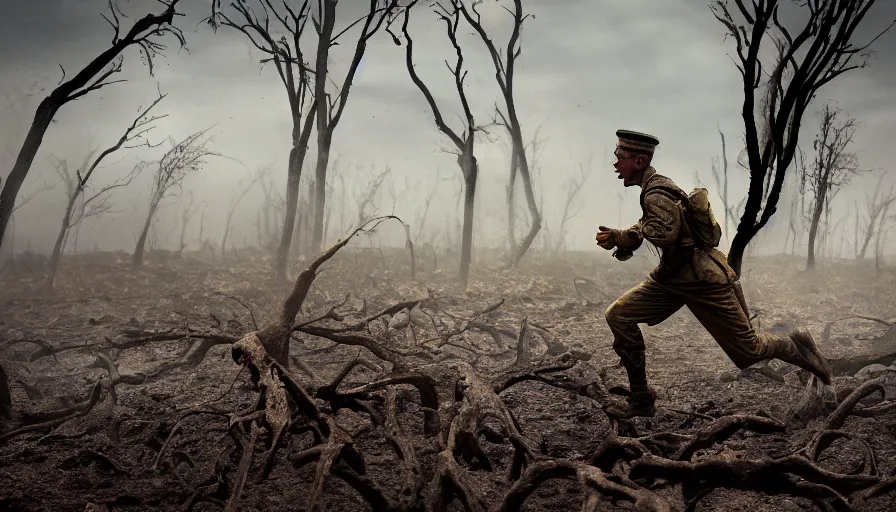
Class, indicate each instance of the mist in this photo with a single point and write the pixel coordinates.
(663, 70)
(439, 356)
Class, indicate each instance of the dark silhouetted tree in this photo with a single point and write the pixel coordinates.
(773, 109)
(145, 34)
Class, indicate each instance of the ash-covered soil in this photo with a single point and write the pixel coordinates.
(104, 369)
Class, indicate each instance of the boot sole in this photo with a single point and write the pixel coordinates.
(806, 344)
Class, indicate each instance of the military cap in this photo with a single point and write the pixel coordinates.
(636, 141)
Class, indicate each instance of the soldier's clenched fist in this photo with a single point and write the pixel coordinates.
(604, 238)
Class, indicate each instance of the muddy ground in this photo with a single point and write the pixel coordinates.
(103, 331)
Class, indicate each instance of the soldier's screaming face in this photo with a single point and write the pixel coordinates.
(629, 166)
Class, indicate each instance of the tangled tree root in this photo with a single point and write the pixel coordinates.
(457, 420)
(595, 482)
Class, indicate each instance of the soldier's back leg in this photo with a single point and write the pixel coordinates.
(718, 309)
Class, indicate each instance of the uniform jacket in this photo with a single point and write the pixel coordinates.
(662, 224)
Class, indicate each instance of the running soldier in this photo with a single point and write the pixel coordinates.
(692, 273)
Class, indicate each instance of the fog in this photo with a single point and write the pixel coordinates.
(586, 70)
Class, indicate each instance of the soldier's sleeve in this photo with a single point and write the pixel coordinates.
(628, 239)
(661, 224)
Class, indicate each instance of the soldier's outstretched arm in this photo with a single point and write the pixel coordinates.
(661, 224)
(628, 239)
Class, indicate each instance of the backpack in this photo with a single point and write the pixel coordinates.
(701, 223)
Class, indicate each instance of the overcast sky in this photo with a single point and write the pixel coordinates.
(588, 68)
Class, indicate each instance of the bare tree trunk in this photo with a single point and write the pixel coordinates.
(511, 197)
(185, 217)
(137, 260)
(183, 233)
(813, 231)
(226, 233)
(301, 134)
(320, 191)
(725, 186)
(57, 247)
(470, 172)
(879, 239)
(409, 244)
(201, 226)
(296, 157)
(42, 119)
(874, 216)
(529, 193)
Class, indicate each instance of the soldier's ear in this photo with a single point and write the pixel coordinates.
(641, 160)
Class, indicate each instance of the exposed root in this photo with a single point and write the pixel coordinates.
(827, 437)
(478, 405)
(60, 416)
(5, 396)
(248, 447)
(861, 317)
(723, 428)
(837, 418)
(425, 385)
(810, 405)
(169, 335)
(771, 476)
(852, 364)
(523, 350)
(176, 427)
(412, 482)
(594, 481)
(549, 371)
(359, 340)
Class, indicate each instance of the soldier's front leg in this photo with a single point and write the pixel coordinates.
(647, 303)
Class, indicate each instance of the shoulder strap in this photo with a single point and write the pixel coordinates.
(665, 190)
(672, 193)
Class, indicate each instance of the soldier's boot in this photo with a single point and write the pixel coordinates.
(640, 402)
(641, 398)
(799, 349)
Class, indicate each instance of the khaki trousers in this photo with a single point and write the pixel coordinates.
(715, 305)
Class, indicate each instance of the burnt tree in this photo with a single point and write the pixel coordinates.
(832, 169)
(504, 74)
(177, 163)
(296, 75)
(463, 141)
(145, 34)
(189, 210)
(820, 52)
(720, 174)
(79, 205)
(260, 174)
(572, 204)
(330, 107)
(875, 205)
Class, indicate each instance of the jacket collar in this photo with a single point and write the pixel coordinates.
(649, 173)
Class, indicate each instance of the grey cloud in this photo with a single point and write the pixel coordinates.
(587, 68)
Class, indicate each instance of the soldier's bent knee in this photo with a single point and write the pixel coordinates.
(612, 314)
